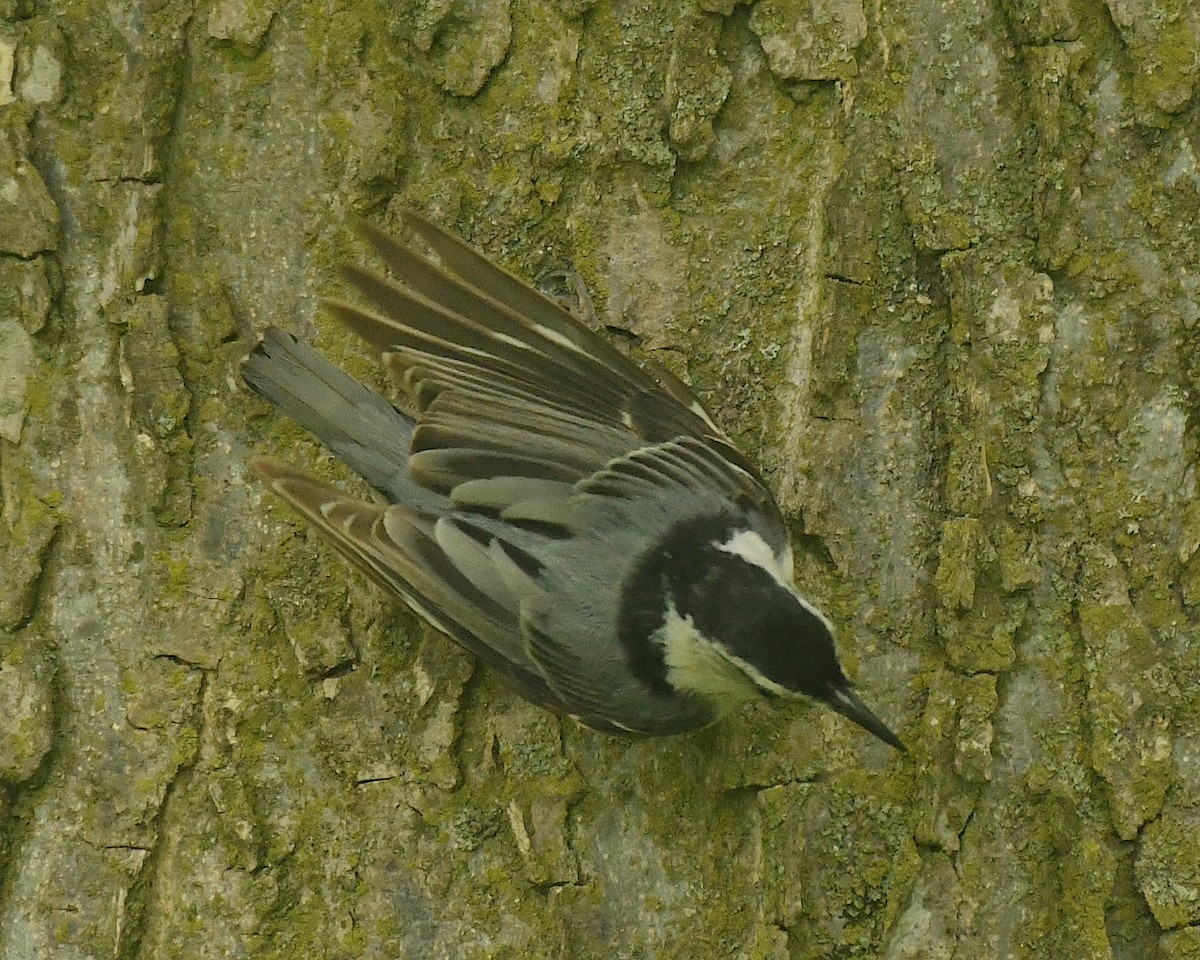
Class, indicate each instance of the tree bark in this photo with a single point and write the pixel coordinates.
(935, 266)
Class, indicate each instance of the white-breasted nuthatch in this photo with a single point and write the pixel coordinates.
(578, 522)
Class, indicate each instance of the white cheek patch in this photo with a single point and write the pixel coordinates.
(751, 547)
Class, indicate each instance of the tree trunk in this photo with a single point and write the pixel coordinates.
(935, 266)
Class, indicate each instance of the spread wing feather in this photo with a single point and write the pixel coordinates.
(430, 563)
(504, 384)
(471, 278)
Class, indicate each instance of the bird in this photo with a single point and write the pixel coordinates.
(574, 519)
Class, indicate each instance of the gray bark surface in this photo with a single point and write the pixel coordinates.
(935, 266)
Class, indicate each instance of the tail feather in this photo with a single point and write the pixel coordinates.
(358, 426)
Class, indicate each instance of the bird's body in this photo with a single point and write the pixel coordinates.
(578, 522)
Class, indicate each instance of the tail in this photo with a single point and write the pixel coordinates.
(358, 426)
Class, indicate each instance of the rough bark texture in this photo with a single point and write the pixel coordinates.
(935, 265)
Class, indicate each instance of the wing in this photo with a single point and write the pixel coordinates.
(462, 579)
(514, 400)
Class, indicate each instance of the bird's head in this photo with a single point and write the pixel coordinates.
(736, 625)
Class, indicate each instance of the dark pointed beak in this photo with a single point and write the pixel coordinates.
(846, 702)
